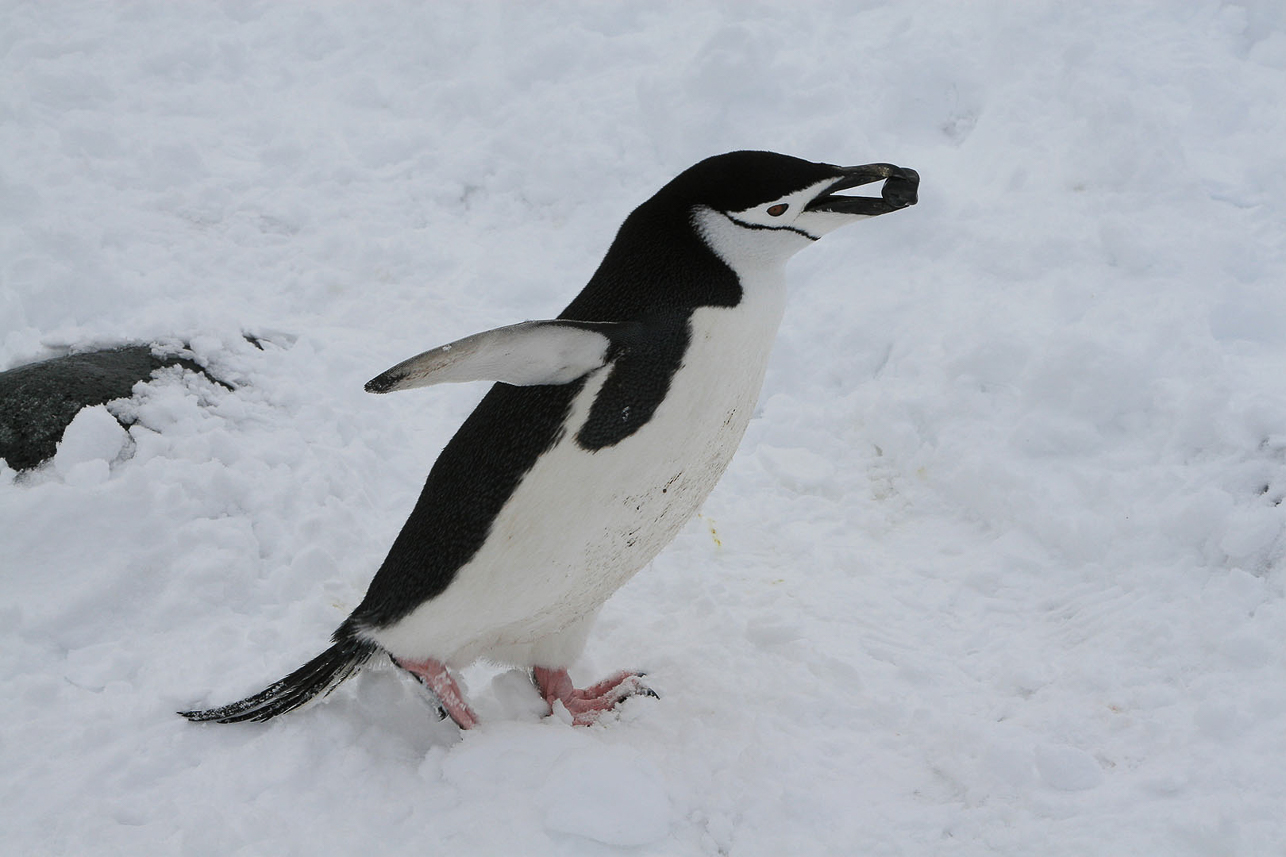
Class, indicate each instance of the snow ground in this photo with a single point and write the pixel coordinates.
(999, 568)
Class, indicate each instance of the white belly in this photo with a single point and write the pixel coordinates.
(581, 523)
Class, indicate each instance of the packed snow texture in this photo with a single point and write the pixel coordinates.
(999, 568)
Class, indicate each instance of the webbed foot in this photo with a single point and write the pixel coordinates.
(586, 704)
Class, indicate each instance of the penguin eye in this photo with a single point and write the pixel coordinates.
(778, 210)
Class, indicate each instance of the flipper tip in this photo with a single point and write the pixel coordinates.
(384, 383)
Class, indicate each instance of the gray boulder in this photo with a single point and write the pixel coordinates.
(38, 400)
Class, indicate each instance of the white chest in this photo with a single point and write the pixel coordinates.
(581, 523)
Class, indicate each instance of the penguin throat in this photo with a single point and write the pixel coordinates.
(748, 248)
(747, 225)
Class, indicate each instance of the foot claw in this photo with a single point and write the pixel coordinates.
(438, 679)
(586, 704)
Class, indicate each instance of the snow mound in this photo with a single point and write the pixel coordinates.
(90, 443)
(609, 794)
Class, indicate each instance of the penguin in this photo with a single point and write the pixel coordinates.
(603, 433)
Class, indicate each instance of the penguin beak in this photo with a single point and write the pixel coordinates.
(900, 187)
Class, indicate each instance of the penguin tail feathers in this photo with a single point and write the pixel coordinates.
(318, 677)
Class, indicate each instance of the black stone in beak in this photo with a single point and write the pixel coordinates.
(900, 190)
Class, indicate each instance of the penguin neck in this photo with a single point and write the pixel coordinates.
(657, 262)
(752, 253)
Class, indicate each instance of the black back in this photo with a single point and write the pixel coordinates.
(655, 274)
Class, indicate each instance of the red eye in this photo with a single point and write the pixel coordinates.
(778, 210)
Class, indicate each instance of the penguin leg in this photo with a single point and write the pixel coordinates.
(439, 680)
(586, 704)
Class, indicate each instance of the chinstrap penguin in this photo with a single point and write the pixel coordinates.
(607, 429)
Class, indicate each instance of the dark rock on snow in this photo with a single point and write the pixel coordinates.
(38, 400)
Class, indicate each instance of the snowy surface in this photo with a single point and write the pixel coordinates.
(999, 568)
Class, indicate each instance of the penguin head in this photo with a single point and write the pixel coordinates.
(751, 210)
(765, 207)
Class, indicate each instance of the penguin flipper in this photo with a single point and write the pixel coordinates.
(527, 354)
(317, 677)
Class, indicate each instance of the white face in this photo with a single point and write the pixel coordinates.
(789, 212)
(771, 232)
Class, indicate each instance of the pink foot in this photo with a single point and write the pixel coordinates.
(586, 704)
(439, 680)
